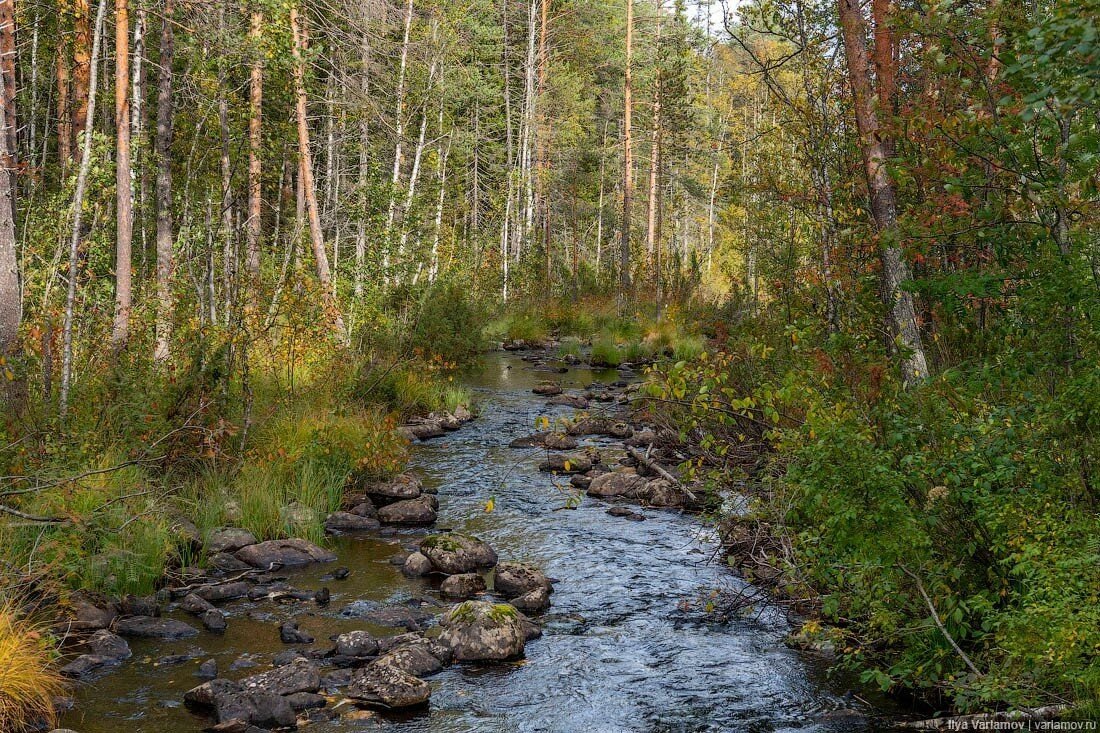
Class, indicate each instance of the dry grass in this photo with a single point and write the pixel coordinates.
(28, 682)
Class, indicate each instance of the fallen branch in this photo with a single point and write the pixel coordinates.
(651, 465)
(980, 720)
(939, 623)
(31, 517)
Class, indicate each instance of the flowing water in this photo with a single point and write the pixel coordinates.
(625, 647)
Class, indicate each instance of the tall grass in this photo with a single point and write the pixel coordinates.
(28, 682)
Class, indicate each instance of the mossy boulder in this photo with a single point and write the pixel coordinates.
(457, 553)
(477, 631)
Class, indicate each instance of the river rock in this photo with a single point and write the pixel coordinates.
(559, 441)
(260, 708)
(662, 493)
(132, 605)
(356, 645)
(364, 508)
(479, 631)
(229, 539)
(533, 601)
(226, 563)
(462, 586)
(513, 579)
(568, 400)
(419, 511)
(416, 565)
(344, 522)
(300, 701)
(581, 480)
(425, 430)
(283, 553)
(419, 658)
(147, 627)
(90, 614)
(105, 644)
(626, 513)
(223, 591)
(298, 676)
(462, 414)
(214, 621)
(388, 686)
(208, 670)
(87, 666)
(289, 633)
(567, 464)
(204, 695)
(457, 553)
(403, 486)
(535, 440)
(616, 484)
(195, 605)
(547, 389)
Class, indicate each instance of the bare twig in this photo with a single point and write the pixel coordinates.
(939, 623)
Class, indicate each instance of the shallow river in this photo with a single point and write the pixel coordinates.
(624, 647)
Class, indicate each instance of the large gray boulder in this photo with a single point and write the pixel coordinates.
(345, 522)
(283, 553)
(616, 484)
(513, 579)
(229, 539)
(355, 645)
(457, 553)
(418, 658)
(147, 627)
(386, 685)
(298, 676)
(462, 586)
(105, 644)
(479, 631)
(263, 709)
(416, 565)
(418, 511)
(569, 463)
(404, 486)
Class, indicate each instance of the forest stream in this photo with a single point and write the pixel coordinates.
(626, 645)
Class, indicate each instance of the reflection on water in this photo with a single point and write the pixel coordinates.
(623, 649)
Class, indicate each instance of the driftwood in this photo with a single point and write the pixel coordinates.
(981, 721)
(650, 465)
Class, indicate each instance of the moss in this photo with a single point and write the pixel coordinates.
(503, 612)
(442, 542)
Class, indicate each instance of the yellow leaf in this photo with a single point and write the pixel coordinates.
(490, 505)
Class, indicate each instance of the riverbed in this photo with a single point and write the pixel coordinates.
(627, 643)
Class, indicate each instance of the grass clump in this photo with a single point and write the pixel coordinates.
(605, 353)
(28, 681)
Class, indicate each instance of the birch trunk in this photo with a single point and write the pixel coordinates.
(78, 208)
(124, 194)
(163, 145)
(628, 158)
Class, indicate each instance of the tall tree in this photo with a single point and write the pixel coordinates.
(82, 64)
(254, 229)
(11, 302)
(78, 210)
(895, 271)
(163, 150)
(628, 157)
(124, 192)
(308, 187)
